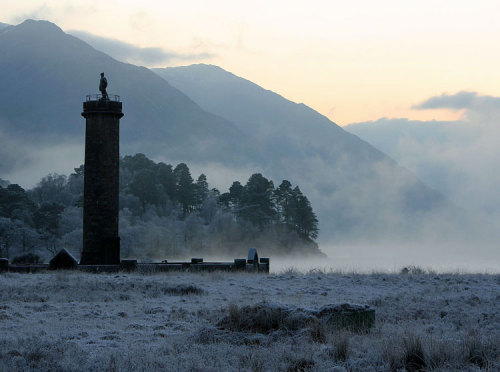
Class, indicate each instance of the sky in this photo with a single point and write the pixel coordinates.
(351, 61)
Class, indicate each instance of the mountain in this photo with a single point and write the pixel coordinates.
(217, 122)
(454, 157)
(355, 187)
(47, 73)
(3, 25)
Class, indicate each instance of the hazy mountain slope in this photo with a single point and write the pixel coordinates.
(264, 114)
(455, 157)
(354, 186)
(3, 25)
(46, 74)
(385, 134)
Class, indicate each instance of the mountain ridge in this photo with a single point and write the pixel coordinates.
(57, 86)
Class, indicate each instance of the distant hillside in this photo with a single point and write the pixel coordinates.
(455, 158)
(46, 74)
(356, 187)
(386, 134)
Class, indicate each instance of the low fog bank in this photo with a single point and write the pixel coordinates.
(442, 243)
(392, 258)
(26, 161)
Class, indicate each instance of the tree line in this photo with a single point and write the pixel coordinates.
(164, 213)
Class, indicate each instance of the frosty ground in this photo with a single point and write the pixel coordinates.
(181, 321)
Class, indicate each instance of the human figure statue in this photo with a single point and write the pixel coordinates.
(103, 84)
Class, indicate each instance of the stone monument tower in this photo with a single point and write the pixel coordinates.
(101, 242)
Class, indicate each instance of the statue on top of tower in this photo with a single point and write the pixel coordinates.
(103, 84)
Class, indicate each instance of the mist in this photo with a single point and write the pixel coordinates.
(457, 158)
(26, 163)
(391, 257)
(123, 51)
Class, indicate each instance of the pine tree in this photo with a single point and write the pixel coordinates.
(304, 219)
(232, 199)
(200, 190)
(184, 188)
(284, 202)
(256, 204)
(137, 162)
(145, 187)
(165, 177)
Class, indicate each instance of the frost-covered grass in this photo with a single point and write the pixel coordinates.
(77, 321)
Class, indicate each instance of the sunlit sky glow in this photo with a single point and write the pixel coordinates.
(352, 61)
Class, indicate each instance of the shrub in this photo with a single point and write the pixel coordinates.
(341, 347)
(441, 354)
(183, 290)
(413, 353)
(301, 365)
(391, 354)
(412, 269)
(474, 349)
(317, 332)
(261, 318)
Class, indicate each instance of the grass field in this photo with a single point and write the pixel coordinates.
(74, 321)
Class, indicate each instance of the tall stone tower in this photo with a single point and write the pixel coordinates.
(101, 242)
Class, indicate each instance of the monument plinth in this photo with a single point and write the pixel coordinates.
(101, 242)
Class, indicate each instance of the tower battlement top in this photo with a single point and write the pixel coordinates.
(95, 103)
(100, 97)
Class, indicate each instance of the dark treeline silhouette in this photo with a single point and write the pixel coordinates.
(164, 214)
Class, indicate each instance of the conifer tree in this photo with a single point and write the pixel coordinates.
(256, 204)
(284, 202)
(304, 219)
(200, 190)
(145, 187)
(184, 188)
(165, 177)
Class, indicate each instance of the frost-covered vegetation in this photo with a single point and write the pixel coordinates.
(179, 321)
(164, 214)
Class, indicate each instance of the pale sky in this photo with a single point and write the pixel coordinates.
(350, 60)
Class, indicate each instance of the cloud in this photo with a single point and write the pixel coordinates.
(152, 56)
(459, 101)
(458, 158)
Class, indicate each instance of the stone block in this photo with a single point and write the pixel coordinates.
(128, 265)
(4, 264)
(240, 263)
